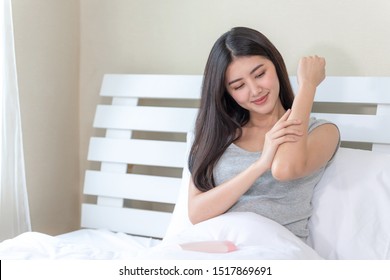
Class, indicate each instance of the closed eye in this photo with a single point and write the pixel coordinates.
(260, 75)
(238, 87)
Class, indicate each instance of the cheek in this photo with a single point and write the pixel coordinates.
(277, 86)
(272, 84)
(272, 81)
(240, 98)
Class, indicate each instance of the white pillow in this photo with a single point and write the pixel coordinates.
(255, 236)
(351, 218)
(180, 220)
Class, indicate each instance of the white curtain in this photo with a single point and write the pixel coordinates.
(14, 210)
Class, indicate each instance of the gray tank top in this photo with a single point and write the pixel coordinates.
(288, 203)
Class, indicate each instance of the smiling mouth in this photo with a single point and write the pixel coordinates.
(261, 100)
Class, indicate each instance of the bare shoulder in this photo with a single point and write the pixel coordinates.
(328, 130)
(323, 140)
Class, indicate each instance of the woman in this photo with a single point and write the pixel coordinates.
(256, 148)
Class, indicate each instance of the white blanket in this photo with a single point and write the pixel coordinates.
(255, 237)
(82, 244)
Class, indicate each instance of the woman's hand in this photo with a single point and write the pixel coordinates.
(311, 71)
(283, 131)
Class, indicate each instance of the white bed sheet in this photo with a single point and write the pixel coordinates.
(85, 244)
(256, 237)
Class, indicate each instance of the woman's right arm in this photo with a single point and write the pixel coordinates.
(206, 205)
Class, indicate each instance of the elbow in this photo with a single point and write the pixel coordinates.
(287, 171)
(199, 214)
(194, 216)
(193, 219)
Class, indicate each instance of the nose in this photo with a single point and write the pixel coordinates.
(255, 88)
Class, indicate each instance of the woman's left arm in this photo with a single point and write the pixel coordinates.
(314, 150)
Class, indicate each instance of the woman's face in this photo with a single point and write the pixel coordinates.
(253, 83)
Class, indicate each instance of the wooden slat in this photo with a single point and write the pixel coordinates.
(133, 221)
(152, 86)
(368, 90)
(145, 118)
(134, 151)
(383, 110)
(132, 186)
(360, 128)
(381, 148)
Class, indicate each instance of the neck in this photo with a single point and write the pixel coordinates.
(266, 121)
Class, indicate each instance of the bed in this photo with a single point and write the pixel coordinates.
(135, 191)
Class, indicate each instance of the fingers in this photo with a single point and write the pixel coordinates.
(287, 138)
(314, 58)
(289, 134)
(285, 129)
(311, 69)
(313, 61)
(285, 122)
(285, 115)
(288, 131)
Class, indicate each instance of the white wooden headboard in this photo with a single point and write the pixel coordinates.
(142, 153)
(369, 126)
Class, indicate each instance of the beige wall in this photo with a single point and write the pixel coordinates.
(60, 75)
(47, 55)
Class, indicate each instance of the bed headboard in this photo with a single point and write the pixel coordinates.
(143, 150)
(360, 106)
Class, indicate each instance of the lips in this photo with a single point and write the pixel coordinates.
(261, 100)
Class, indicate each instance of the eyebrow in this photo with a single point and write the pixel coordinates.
(253, 70)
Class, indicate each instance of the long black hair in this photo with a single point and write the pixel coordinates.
(220, 119)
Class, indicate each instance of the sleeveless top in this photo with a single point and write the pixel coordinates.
(288, 203)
